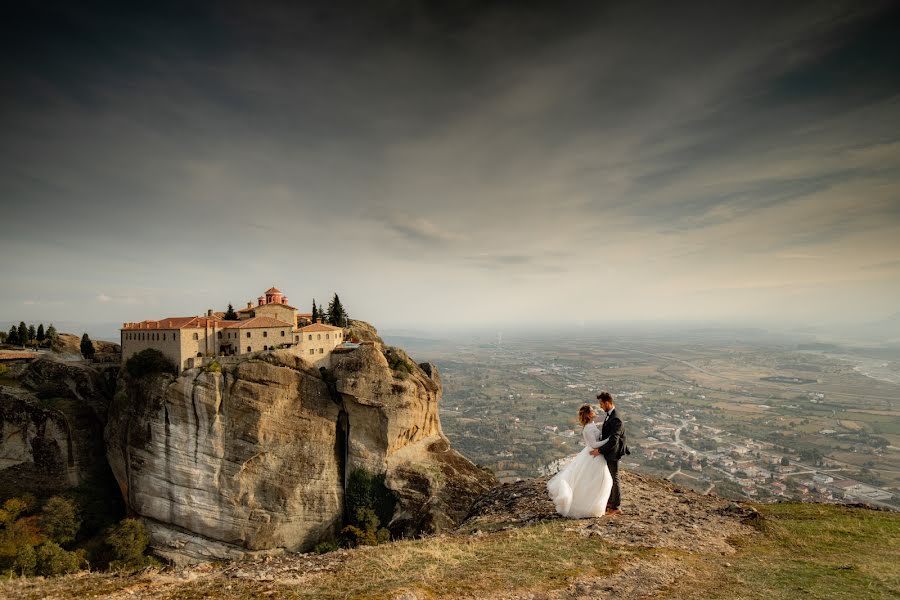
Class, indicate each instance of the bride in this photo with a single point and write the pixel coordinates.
(582, 488)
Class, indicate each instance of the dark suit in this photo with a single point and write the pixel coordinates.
(613, 450)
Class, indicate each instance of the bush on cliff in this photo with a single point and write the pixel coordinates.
(149, 362)
(369, 504)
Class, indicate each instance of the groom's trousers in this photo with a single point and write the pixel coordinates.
(614, 496)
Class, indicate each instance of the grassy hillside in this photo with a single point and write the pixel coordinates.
(671, 544)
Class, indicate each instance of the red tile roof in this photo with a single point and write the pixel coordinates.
(177, 323)
(256, 322)
(273, 290)
(243, 310)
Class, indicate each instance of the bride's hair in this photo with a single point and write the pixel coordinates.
(584, 414)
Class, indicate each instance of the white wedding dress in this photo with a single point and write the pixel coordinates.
(582, 488)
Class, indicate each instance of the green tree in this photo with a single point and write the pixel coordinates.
(87, 347)
(230, 315)
(59, 520)
(785, 461)
(315, 312)
(337, 316)
(52, 335)
(128, 541)
(52, 560)
(32, 333)
(40, 333)
(147, 362)
(23, 333)
(13, 336)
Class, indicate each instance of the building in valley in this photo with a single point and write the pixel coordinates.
(270, 325)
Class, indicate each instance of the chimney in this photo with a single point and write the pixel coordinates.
(249, 305)
(208, 312)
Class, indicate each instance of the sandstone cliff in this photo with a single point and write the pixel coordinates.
(254, 459)
(51, 427)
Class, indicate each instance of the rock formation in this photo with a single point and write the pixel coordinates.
(254, 459)
(51, 426)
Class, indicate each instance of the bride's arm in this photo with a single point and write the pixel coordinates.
(591, 434)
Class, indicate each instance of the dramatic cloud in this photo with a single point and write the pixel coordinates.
(453, 165)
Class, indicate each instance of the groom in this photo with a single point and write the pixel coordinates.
(614, 449)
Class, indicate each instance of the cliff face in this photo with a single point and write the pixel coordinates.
(254, 459)
(51, 427)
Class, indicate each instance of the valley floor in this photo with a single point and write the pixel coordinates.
(669, 543)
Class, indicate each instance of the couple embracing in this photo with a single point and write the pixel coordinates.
(589, 485)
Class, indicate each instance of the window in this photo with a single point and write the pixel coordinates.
(312, 350)
(248, 334)
(297, 338)
(219, 335)
(265, 334)
(321, 350)
(249, 349)
(164, 337)
(326, 336)
(199, 354)
(319, 336)
(310, 336)
(196, 337)
(265, 347)
(282, 333)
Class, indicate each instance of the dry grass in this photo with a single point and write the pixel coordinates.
(536, 558)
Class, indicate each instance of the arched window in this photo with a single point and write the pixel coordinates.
(199, 354)
(219, 335)
(265, 347)
(249, 349)
(318, 336)
(196, 336)
(310, 336)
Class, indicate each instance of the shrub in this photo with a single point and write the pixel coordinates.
(325, 547)
(59, 520)
(51, 559)
(3, 370)
(354, 536)
(25, 561)
(128, 541)
(149, 362)
(367, 491)
(213, 367)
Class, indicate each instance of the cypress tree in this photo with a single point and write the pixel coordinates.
(87, 347)
(230, 315)
(13, 336)
(315, 312)
(40, 333)
(51, 333)
(337, 316)
(23, 333)
(32, 333)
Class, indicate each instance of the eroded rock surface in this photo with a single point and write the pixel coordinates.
(51, 427)
(254, 459)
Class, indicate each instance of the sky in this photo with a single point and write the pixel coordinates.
(452, 164)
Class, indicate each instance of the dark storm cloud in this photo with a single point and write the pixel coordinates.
(651, 145)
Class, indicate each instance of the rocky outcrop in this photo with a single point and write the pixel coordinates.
(51, 427)
(254, 459)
